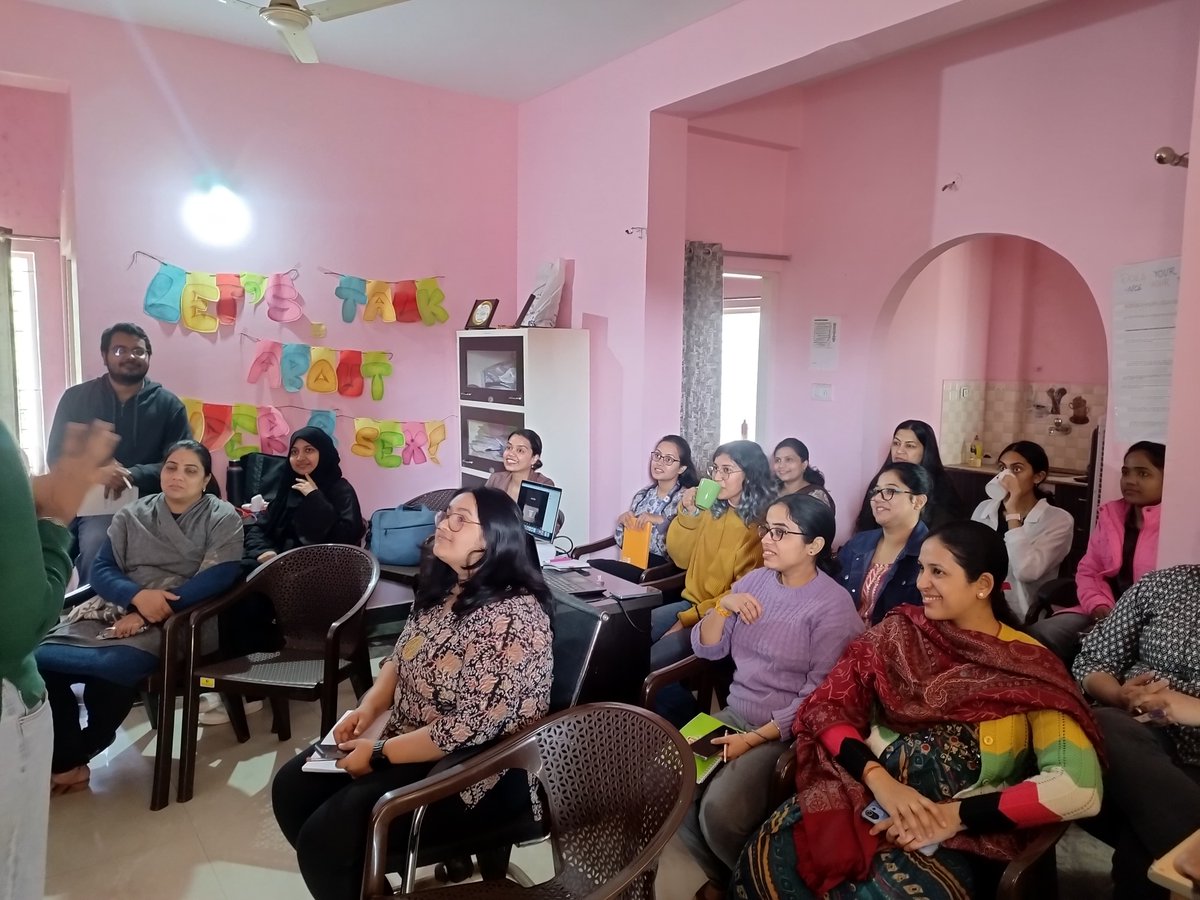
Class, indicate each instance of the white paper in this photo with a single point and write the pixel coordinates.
(823, 350)
(96, 504)
(372, 732)
(1145, 299)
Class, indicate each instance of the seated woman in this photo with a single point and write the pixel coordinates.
(784, 625)
(671, 473)
(914, 441)
(1123, 547)
(1140, 664)
(879, 567)
(1038, 535)
(314, 503)
(796, 476)
(164, 553)
(472, 664)
(522, 459)
(965, 731)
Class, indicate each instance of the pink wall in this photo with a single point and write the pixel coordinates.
(736, 193)
(352, 172)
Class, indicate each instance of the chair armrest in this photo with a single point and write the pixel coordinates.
(594, 547)
(1056, 592)
(664, 579)
(333, 637)
(676, 672)
(1015, 882)
(783, 779)
(79, 595)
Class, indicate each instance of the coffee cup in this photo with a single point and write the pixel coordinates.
(706, 493)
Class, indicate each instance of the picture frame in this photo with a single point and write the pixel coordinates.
(481, 314)
(520, 323)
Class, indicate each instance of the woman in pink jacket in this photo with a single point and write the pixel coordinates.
(1123, 547)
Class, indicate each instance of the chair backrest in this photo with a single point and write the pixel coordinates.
(438, 501)
(312, 587)
(618, 782)
(262, 473)
(576, 627)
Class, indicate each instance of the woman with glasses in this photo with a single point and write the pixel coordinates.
(795, 474)
(473, 664)
(879, 567)
(785, 626)
(671, 473)
(914, 441)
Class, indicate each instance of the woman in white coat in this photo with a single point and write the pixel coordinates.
(1038, 535)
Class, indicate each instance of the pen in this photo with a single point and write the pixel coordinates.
(128, 485)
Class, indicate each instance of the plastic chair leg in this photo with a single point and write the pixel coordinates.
(281, 714)
(237, 716)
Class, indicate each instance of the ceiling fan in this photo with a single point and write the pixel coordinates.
(291, 19)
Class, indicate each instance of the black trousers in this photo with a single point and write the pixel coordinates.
(325, 818)
(107, 705)
(1151, 800)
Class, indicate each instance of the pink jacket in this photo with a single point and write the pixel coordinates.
(1103, 558)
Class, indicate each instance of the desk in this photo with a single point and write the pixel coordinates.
(621, 658)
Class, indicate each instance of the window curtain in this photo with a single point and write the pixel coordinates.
(703, 307)
(8, 356)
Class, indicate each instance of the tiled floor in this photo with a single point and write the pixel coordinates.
(105, 842)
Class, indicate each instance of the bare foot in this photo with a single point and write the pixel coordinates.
(710, 890)
(70, 781)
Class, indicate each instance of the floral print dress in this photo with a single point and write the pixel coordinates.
(473, 678)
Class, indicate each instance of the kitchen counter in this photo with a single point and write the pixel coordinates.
(1056, 476)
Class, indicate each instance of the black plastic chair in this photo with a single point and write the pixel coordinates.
(319, 593)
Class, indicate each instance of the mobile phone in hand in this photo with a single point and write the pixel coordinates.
(704, 746)
(874, 813)
(331, 751)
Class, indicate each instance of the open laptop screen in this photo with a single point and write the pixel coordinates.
(538, 504)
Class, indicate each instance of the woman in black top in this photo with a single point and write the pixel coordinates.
(914, 441)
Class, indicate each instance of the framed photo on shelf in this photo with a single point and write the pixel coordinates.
(521, 323)
(482, 313)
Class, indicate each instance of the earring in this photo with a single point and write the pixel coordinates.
(981, 595)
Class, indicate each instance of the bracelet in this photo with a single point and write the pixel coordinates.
(867, 768)
(722, 611)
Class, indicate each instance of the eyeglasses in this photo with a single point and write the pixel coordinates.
(659, 457)
(135, 352)
(454, 521)
(723, 471)
(886, 493)
(776, 532)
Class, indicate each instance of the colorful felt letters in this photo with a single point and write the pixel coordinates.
(199, 290)
(322, 377)
(352, 292)
(349, 373)
(243, 422)
(379, 302)
(294, 364)
(229, 299)
(284, 303)
(163, 292)
(266, 362)
(273, 431)
(377, 367)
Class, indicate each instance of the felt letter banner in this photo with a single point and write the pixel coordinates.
(266, 362)
(273, 431)
(255, 287)
(198, 291)
(379, 302)
(415, 442)
(391, 438)
(366, 435)
(352, 292)
(349, 373)
(217, 417)
(322, 377)
(404, 301)
(294, 364)
(376, 366)
(284, 303)
(229, 299)
(245, 421)
(436, 433)
(429, 302)
(195, 414)
(163, 293)
(323, 419)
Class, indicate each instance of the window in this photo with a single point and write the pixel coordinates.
(28, 365)
(739, 368)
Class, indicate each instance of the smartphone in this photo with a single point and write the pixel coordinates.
(1153, 717)
(331, 751)
(874, 813)
(704, 746)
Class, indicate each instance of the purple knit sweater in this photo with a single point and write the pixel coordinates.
(783, 656)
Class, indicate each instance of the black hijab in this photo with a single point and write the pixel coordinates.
(327, 474)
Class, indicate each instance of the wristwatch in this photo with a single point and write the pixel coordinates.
(379, 759)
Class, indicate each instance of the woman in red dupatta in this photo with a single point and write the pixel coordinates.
(943, 716)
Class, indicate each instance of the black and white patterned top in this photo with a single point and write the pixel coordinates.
(1155, 627)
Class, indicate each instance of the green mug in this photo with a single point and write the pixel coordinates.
(706, 493)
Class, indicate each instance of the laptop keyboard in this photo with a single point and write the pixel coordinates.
(572, 582)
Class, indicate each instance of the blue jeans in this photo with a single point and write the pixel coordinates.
(90, 534)
(674, 704)
(663, 618)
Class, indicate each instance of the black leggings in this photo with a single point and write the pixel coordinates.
(107, 704)
(325, 817)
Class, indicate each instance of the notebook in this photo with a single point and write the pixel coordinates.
(319, 764)
(699, 732)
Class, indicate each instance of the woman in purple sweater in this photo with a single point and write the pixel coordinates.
(785, 627)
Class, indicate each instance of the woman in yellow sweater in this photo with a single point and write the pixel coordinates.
(716, 546)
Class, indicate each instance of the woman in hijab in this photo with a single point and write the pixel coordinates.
(313, 503)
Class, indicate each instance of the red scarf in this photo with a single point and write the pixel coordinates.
(906, 673)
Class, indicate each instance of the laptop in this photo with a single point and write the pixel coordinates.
(538, 505)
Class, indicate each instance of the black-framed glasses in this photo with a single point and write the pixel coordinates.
(454, 520)
(723, 471)
(776, 532)
(886, 493)
(663, 458)
(135, 352)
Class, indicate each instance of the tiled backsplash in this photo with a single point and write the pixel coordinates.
(1001, 412)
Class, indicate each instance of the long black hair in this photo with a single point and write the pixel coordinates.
(758, 483)
(978, 549)
(944, 503)
(688, 476)
(816, 520)
(812, 475)
(505, 569)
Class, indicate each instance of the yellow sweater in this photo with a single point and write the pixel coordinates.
(715, 553)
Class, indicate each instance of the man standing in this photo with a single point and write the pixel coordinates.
(146, 416)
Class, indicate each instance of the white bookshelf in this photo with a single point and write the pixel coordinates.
(554, 402)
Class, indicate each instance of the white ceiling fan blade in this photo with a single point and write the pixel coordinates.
(299, 44)
(327, 10)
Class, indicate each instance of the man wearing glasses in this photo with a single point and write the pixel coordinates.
(146, 416)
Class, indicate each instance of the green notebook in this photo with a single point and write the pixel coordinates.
(700, 727)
